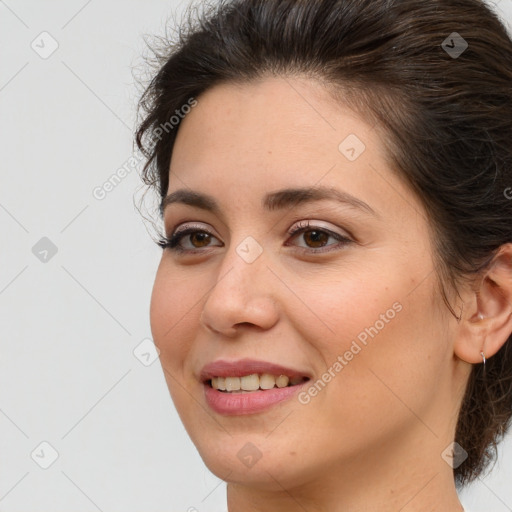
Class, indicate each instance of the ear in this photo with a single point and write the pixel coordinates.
(486, 320)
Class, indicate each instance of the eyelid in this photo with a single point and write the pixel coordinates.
(312, 223)
(183, 230)
(192, 225)
(343, 240)
(291, 231)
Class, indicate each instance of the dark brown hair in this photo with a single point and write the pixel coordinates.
(446, 120)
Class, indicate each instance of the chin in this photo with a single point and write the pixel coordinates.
(247, 459)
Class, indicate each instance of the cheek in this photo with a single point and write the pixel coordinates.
(385, 307)
(174, 316)
(382, 344)
(355, 309)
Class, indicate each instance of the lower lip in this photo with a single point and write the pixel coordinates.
(247, 403)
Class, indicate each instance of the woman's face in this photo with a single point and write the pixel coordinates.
(354, 314)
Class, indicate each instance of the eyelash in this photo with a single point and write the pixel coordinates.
(172, 242)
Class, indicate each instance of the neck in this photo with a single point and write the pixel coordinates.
(431, 492)
(406, 477)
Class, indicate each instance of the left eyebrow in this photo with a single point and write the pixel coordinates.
(272, 201)
(292, 196)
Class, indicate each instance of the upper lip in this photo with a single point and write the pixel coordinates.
(241, 367)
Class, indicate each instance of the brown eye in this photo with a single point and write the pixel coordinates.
(197, 239)
(201, 237)
(315, 238)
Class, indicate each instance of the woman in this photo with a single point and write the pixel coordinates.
(333, 306)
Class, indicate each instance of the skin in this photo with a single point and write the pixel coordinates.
(372, 438)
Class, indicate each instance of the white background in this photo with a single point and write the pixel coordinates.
(69, 326)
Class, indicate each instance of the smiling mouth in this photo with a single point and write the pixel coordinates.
(253, 382)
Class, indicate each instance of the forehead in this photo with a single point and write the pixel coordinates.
(275, 120)
(248, 139)
(277, 113)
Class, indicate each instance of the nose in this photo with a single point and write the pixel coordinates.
(242, 297)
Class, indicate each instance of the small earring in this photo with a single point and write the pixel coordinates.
(483, 357)
(461, 310)
(480, 316)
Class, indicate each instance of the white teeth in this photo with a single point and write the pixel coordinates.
(267, 381)
(253, 382)
(219, 383)
(250, 382)
(232, 383)
(282, 381)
